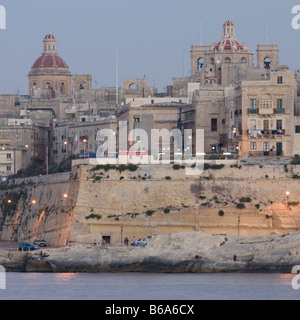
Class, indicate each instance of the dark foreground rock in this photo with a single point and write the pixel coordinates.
(180, 252)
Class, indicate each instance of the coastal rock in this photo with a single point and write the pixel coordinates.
(179, 252)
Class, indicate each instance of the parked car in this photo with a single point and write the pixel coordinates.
(142, 242)
(40, 243)
(26, 246)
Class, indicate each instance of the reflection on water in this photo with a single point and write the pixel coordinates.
(144, 286)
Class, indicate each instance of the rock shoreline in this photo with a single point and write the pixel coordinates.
(187, 252)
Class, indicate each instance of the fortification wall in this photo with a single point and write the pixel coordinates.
(150, 200)
(51, 216)
(159, 199)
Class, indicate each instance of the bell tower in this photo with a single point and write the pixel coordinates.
(267, 56)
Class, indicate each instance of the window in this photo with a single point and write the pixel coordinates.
(279, 104)
(266, 146)
(253, 106)
(265, 104)
(8, 156)
(279, 124)
(137, 120)
(8, 168)
(200, 64)
(214, 125)
(279, 80)
(243, 60)
(227, 60)
(267, 63)
(297, 129)
(252, 145)
(266, 125)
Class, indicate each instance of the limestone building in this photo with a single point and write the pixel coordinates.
(50, 76)
(242, 107)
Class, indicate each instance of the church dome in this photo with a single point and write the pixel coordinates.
(50, 76)
(49, 61)
(229, 45)
(50, 57)
(229, 41)
(228, 23)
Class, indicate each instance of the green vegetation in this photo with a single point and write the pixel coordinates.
(150, 213)
(168, 178)
(202, 197)
(296, 176)
(245, 199)
(94, 216)
(296, 160)
(120, 168)
(221, 213)
(257, 206)
(37, 169)
(293, 204)
(241, 206)
(178, 167)
(167, 210)
(208, 166)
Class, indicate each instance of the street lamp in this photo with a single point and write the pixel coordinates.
(239, 220)
(213, 150)
(84, 142)
(287, 198)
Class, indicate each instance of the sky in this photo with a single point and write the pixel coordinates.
(152, 37)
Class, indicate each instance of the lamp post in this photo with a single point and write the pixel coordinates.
(84, 142)
(239, 220)
(287, 198)
(213, 152)
(121, 235)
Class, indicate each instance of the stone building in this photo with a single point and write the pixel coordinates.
(50, 76)
(79, 138)
(252, 110)
(148, 114)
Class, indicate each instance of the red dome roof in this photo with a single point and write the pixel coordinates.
(228, 23)
(49, 36)
(229, 45)
(50, 61)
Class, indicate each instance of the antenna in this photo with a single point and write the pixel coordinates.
(183, 64)
(267, 31)
(117, 77)
(201, 31)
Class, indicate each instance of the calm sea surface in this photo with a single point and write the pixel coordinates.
(144, 286)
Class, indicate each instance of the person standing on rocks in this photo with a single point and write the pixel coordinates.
(126, 241)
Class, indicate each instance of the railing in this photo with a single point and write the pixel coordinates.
(252, 111)
(264, 154)
(279, 111)
(265, 133)
(269, 111)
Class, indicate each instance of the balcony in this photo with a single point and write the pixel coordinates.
(266, 111)
(260, 154)
(265, 133)
(279, 111)
(252, 111)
